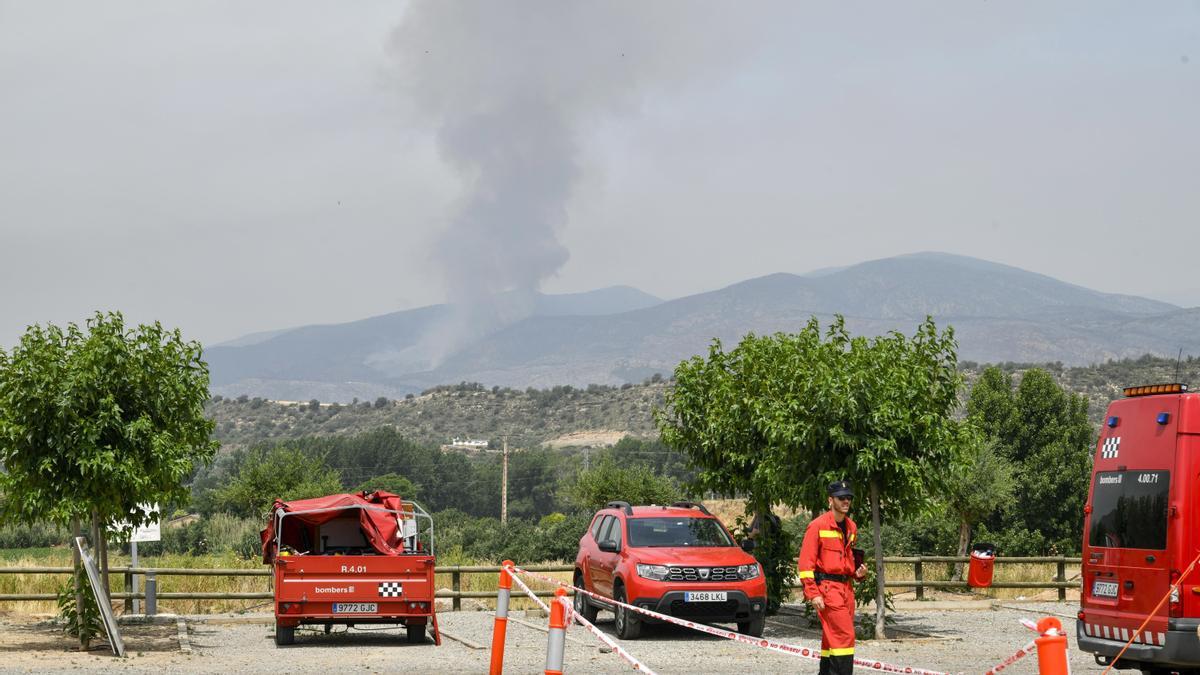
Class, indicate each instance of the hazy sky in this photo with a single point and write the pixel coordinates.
(230, 167)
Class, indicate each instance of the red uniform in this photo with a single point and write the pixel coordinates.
(826, 552)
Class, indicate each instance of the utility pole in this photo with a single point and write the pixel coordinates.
(587, 457)
(504, 487)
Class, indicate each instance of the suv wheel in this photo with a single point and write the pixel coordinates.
(754, 627)
(629, 626)
(582, 606)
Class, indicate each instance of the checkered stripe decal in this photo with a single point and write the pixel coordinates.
(390, 589)
(1123, 634)
(1111, 447)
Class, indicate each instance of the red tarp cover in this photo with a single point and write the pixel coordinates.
(381, 529)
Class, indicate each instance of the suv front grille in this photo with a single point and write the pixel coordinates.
(703, 574)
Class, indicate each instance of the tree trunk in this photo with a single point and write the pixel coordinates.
(75, 557)
(877, 535)
(102, 544)
(964, 537)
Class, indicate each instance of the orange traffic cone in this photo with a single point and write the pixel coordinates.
(1052, 648)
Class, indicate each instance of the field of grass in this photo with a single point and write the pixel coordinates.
(21, 583)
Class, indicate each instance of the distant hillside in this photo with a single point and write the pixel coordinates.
(999, 313)
(528, 418)
(534, 417)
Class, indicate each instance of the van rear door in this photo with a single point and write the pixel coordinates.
(1127, 542)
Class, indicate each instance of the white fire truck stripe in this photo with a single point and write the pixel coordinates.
(1105, 629)
(1087, 629)
(1162, 639)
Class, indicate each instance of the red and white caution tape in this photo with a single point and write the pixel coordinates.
(762, 643)
(603, 637)
(1016, 656)
(530, 593)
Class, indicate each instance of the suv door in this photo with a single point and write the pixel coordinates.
(604, 565)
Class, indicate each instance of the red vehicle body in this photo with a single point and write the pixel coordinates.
(678, 560)
(351, 559)
(1141, 533)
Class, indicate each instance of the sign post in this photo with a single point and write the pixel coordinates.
(149, 532)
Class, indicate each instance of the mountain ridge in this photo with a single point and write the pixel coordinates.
(617, 335)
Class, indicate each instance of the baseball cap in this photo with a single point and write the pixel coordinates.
(840, 488)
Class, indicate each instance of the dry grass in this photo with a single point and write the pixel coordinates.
(1003, 572)
(21, 583)
(61, 557)
(729, 510)
(47, 583)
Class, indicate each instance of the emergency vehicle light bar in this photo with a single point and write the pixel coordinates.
(1147, 390)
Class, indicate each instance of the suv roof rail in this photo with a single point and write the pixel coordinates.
(691, 505)
(624, 506)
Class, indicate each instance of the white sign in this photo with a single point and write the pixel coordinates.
(148, 532)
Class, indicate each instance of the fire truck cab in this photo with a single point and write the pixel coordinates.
(350, 559)
(1142, 534)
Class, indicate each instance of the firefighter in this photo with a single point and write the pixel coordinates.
(827, 569)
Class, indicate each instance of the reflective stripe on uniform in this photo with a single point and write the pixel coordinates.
(806, 574)
(826, 534)
(839, 651)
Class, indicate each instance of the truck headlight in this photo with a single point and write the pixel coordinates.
(747, 572)
(653, 572)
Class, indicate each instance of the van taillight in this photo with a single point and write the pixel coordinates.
(1176, 606)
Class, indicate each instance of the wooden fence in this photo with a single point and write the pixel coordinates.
(456, 594)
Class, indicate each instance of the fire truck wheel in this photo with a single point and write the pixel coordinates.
(582, 606)
(416, 633)
(628, 625)
(285, 635)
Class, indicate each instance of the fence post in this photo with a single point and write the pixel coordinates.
(1062, 576)
(501, 624)
(918, 572)
(456, 585)
(556, 637)
(151, 594)
(129, 589)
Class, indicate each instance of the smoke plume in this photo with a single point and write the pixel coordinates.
(512, 89)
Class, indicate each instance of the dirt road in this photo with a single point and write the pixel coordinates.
(966, 640)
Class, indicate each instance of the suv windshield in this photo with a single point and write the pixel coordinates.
(1129, 509)
(661, 532)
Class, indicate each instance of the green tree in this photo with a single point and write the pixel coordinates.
(778, 417)
(393, 483)
(606, 481)
(981, 485)
(1044, 432)
(97, 422)
(276, 473)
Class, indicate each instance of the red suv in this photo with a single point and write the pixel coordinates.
(678, 560)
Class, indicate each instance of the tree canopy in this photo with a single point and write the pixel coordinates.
(1044, 433)
(276, 473)
(100, 421)
(779, 417)
(606, 481)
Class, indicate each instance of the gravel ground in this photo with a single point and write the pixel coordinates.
(958, 640)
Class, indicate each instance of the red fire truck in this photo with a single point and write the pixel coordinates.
(350, 559)
(1140, 536)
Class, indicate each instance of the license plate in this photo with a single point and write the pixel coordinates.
(704, 596)
(355, 607)
(1104, 589)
